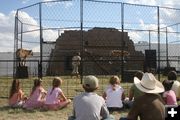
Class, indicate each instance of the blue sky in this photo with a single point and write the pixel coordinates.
(9, 7)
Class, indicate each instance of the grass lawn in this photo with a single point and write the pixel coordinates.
(71, 87)
(7, 113)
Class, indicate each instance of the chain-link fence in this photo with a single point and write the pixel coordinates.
(103, 32)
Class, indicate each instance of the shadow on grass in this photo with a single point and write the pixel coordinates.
(12, 110)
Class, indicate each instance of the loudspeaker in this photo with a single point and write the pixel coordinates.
(150, 60)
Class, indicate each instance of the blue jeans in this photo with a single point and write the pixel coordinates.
(123, 118)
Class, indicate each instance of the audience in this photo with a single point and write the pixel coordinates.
(37, 96)
(114, 94)
(172, 75)
(149, 106)
(89, 105)
(134, 92)
(169, 96)
(16, 96)
(55, 98)
(144, 99)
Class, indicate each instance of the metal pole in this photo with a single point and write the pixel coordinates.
(167, 59)
(122, 39)
(59, 32)
(15, 44)
(158, 42)
(21, 33)
(41, 42)
(149, 40)
(82, 41)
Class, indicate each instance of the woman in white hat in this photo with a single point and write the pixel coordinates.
(149, 106)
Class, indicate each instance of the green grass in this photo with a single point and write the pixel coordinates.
(7, 113)
(71, 87)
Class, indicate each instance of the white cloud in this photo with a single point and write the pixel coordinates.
(33, 25)
(24, 1)
(147, 26)
(163, 3)
(47, 0)
(66, 4)
(144, 2)
(50, 35)
(171, 3)
(7, 32)
(135, 36)
(29, 24)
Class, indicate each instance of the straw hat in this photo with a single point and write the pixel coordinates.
(149, 84)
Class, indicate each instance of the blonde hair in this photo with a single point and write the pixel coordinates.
(114, 80)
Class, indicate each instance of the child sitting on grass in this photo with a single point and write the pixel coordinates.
(134, 92)
(55, 98)
(16, 96)
(114, 94)
(89, 105)
(169, 95)
(36, 98)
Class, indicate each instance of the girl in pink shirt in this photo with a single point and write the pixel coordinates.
(55, 98)
(169, 95)
(36, 99)
(16, 97)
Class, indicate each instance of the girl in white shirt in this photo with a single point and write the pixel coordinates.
(114, 94)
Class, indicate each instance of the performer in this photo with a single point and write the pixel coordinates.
(75, 63)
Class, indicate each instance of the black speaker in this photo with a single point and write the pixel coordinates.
(150, 60)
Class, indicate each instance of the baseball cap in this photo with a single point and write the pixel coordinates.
(90, 81)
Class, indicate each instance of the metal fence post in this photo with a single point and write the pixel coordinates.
(15, 43)
(41, 41)
(122, 38)
(82, 40)
(158, 23)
